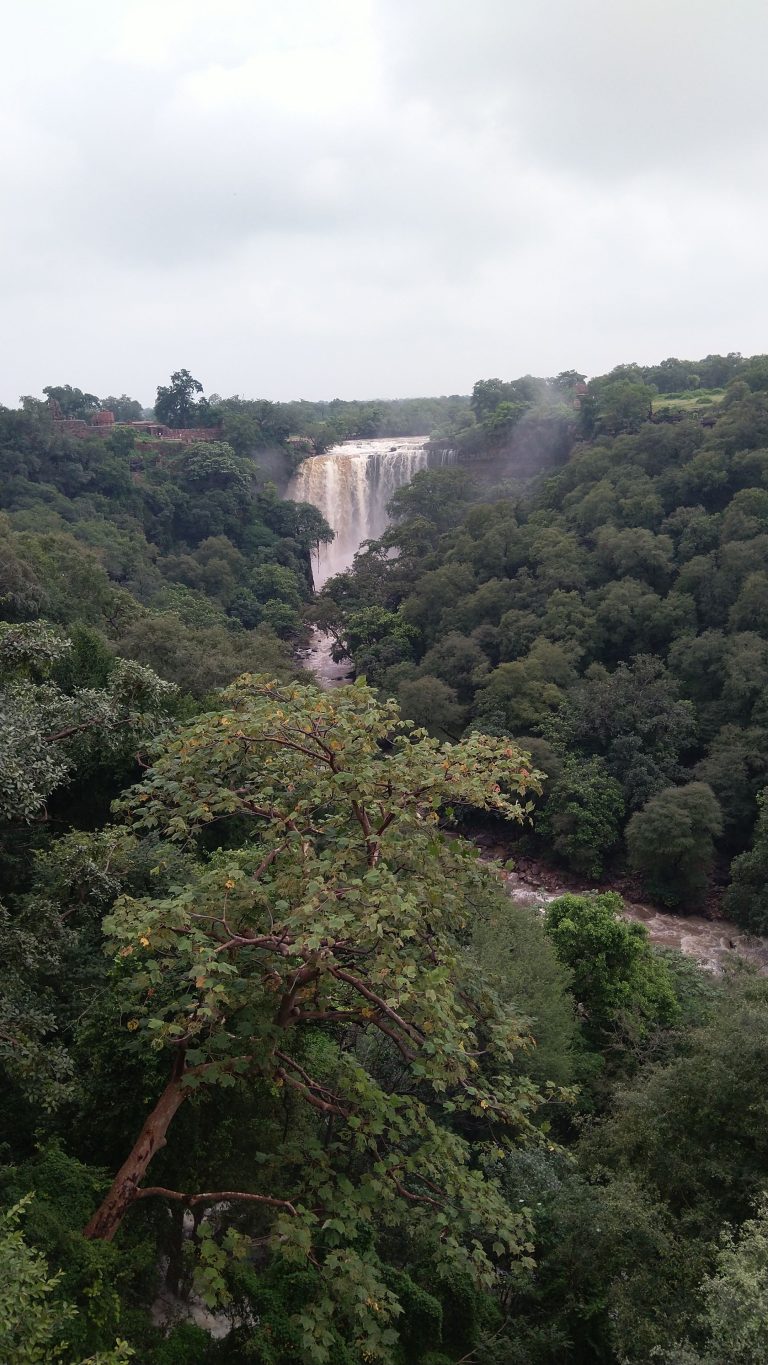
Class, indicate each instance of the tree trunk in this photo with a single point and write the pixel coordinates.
(108, 1217)
(175, 1267)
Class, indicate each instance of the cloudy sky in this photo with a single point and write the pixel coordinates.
(312, 198)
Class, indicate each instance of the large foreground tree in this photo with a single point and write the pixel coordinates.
(317, 954)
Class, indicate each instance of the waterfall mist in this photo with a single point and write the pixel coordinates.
(352, 484)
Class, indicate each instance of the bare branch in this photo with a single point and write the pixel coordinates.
(413, 1198)
(214, 1197)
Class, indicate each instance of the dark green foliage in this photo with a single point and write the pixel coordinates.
(515, 952)
(612, 623)
(671, 843)
(173, 566)
(98, 1281)
(596, 1295)
(747, 897)
(618, 610)
(72, 402)
(583, 815)
(175, 404)
(693, 1129)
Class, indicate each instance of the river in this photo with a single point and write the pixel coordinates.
(317, 658)
(712, 942)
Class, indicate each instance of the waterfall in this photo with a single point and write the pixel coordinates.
(351, 484)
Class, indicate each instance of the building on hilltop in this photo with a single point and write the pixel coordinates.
(105, 420)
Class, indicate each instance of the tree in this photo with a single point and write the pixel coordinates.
(32, 1059)
(499, 425)
(693, 1129)
(520, 697)
(671, 843)
(284, 959)
(487, 394)
(125, 409)
(72, 402)
(624, 406)
(212, 466)
(635, 553)
(519, 958)
(459, 661)
(618, 981)
(438, 495)
(735, 1299)
(755, 373)
(175, 404)
(567, 382)
(746, 899)
(32, 1316)
(583, 815)
(634, 718)
(251, 426)
(47, 733)
(736, 768)
(376, 639)
(430, 702)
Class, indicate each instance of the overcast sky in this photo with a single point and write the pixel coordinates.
(356, 198)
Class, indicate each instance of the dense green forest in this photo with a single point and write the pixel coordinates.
(275, 1042)
(614, 621)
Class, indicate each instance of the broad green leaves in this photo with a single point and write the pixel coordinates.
(317, 953)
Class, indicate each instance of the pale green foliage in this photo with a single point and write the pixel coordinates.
(29, 1054)
(736, 1295)
(32, 1318)
(34, 646)
(624, 989)
(339, 920)
(735, 1298)
(47, 732)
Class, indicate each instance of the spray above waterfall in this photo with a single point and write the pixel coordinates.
(352, 484)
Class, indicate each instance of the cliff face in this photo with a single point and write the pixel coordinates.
(537, 445)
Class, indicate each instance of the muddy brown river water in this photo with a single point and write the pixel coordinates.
(710, 941)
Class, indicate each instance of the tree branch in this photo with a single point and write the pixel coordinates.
(325, 1106)
(358, 985)
(213, 1197)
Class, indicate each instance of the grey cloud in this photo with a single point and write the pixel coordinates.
(374, 196)
(599, 87)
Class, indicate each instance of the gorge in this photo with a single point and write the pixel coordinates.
(351, 484)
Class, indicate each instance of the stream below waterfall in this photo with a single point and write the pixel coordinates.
(317, 659)
(352, 484)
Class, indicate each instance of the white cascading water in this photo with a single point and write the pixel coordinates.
(352, 484)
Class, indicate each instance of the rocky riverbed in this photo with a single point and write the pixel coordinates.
(711, 941)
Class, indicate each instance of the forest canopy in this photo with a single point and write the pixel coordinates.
(280, 1054)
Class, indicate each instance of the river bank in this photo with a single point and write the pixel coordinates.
(712, 942)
